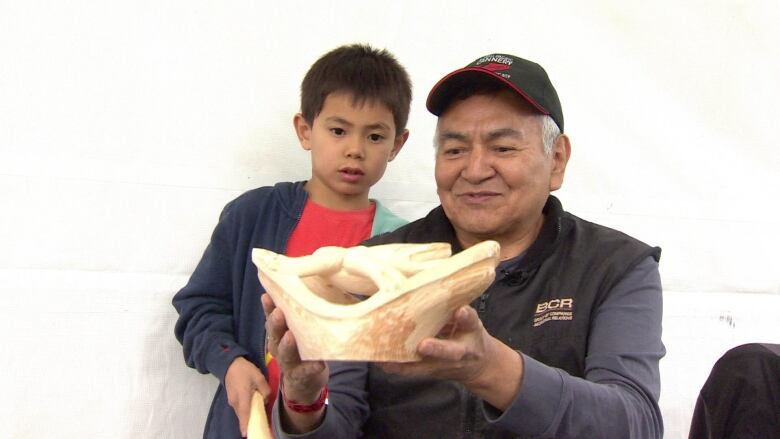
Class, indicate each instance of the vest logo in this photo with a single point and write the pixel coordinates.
(555, 309)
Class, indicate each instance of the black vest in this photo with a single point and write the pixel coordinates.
(541, 307)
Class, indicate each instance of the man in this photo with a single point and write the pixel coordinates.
(564, 344)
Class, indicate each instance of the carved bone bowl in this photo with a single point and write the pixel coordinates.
(412, 291)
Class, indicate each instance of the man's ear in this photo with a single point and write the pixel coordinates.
(303, 131)
(560, 157)
(398, 143)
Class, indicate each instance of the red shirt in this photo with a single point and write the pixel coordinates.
(320, 227)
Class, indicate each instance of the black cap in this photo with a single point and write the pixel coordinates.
(526, 78)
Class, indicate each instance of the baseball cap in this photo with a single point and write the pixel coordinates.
(526, 78)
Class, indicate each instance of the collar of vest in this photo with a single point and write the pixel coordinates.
(554, 228)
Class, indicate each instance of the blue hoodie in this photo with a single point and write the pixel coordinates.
(220, 315)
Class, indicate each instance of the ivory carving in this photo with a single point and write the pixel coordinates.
(258, 428)
(411, 290)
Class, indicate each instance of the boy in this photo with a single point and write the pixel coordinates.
(354, 107)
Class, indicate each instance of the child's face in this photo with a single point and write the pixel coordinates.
(350, 148)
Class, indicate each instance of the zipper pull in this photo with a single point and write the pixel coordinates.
(482, 303)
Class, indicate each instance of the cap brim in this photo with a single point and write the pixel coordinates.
(441, 93)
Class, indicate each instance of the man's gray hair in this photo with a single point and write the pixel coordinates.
(550, 133)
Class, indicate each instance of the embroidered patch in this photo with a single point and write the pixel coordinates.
(498, 64)
(555, 309)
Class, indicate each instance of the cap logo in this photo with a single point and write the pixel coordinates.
(500, 59)
(495, 67)
(496, 64)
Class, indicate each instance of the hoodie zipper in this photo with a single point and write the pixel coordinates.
(264, 350)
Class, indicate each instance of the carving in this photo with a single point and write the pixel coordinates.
(258, 428)
(410, 292)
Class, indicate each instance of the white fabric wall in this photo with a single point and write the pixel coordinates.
(126, 125)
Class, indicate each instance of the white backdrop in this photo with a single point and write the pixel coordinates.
(126, 125)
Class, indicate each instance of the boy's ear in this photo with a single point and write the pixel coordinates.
(398, 143)
(302, 130)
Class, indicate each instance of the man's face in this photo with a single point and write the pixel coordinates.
(492, 174)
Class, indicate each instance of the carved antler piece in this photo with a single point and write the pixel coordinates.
(413, 289)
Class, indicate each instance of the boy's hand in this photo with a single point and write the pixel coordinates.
(302, 380)
(241, 380)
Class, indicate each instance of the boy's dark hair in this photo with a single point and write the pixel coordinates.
(366, 73)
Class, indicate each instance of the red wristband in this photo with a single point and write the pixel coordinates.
(305, 408)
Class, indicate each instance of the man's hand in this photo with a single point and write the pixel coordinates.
(302, 380)
(241, 381)
(464, 352)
